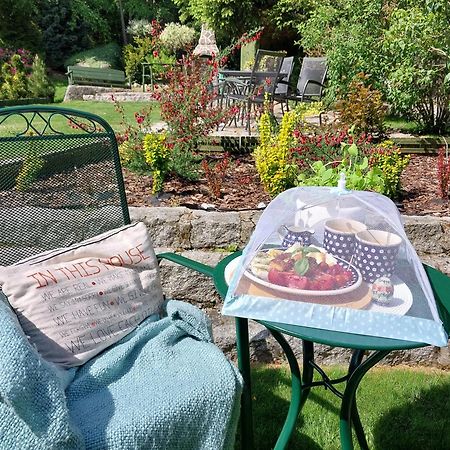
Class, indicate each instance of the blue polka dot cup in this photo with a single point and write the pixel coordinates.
(376, 253)
(339, 237)
(296, 235)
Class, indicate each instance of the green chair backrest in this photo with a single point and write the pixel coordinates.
(441, 289)
(60, 179)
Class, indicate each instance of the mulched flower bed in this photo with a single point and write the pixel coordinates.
(242, 190)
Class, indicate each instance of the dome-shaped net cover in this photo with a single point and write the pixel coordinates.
(338, 260)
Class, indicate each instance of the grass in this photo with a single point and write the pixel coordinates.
(400, 408)
(102, 109)
(400, 124)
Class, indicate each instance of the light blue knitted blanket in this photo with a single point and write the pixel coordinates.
(164, 386)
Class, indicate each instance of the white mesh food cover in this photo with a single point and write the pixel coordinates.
(338, 260)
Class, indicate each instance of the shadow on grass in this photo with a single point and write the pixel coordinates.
(423, 423)
(270, 409)
(414, 413)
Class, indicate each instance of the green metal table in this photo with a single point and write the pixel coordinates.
(302, 383)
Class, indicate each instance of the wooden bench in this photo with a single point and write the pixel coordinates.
(97, 76)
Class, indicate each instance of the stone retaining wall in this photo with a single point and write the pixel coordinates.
(210, 236)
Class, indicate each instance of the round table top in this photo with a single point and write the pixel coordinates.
(327, 337)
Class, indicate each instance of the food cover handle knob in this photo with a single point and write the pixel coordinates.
(342, 182)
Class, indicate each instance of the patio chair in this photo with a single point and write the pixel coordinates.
(282, 87)
(162, 385)
(310, 83)
(260, 87)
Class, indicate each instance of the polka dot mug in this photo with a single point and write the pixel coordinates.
(339, 237)
(376, 253)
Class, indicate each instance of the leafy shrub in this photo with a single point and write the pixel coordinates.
(185, 163)
(272, 155)
(38, 82)
(131, 150)
(177, 37)
(349, 34)
(63, 31)
(14, 79)
(187, 106)
(417, 48)
(142, 50)
(132, 157)
(157, 156)
(294, 156)
(108, 56)
(359, 174)
(29, 172)
(146, 48)
(391, 163)
(443, 172)
(362, 106)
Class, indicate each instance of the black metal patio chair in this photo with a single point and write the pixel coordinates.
(310, 84)
(252, 90)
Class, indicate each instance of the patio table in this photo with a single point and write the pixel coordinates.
(302, 383)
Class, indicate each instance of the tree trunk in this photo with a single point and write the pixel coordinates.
(122, 22)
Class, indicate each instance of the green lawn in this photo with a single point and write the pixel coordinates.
(102, 109)
(107, 111)
(400, 124)
(400, 408)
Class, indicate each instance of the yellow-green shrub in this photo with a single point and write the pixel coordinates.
(272, 153)
(157, 156)
(29, 172)
(391, 163)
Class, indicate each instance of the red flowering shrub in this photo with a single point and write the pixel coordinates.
(326, 146)
(443, 172)
(189, 104)
(215, 174)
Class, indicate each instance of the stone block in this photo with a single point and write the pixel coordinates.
(424, 233)
(185, 284)
(214, 229)
(168, 227)
(248, 219)
(76, 92)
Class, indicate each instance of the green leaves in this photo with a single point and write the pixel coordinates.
(301, 266)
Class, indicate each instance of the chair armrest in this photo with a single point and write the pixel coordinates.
(189, 263)
(317, 83)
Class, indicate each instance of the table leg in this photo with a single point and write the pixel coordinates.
(296, 393)
(243, 352)
(349, 412)
(308, 369)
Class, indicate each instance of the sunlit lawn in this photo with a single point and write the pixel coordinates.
(400, 408)
(106, 110)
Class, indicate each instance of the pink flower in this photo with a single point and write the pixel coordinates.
(155, 53)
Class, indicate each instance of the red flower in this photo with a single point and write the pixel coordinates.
(155, 53)
(139, 118)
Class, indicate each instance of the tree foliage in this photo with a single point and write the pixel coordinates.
(18, 24)
(402, 44)
(417, 46)
(231, 18)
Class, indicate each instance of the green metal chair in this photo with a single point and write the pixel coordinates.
(60, 183)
